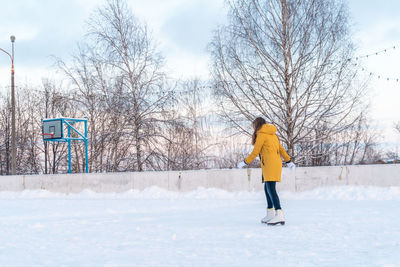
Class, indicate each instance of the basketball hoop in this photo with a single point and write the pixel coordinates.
(48, 134)
(61, 130)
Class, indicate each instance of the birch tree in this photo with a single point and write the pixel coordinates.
(119, 83)
(125, 46)
(288, 61)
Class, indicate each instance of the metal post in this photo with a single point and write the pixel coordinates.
(86, 149)
(69, 149)
(13, 144)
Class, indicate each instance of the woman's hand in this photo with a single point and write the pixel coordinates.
(291, 165)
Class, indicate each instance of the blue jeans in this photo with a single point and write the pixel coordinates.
(272, 195)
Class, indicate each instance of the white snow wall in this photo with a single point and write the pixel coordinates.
(228, 179)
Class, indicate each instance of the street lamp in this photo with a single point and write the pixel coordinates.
(13, 145)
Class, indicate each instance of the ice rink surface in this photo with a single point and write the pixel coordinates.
(336, 226)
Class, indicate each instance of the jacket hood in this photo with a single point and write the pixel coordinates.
(267, 129)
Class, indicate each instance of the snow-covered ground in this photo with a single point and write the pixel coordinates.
(336, 226)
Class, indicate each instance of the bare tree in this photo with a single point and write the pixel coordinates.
(178, 148)
(125, 47)
(28, 131)
(32, 106)
(195, 102)
(228, 152)
(393, 155)
(88, 81)
(289, 62)
(5, 135)
(53, 102)
(119, 85)
(397, 126)
(185, 140)
(355, 145)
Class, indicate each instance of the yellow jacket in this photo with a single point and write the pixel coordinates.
(270, 150)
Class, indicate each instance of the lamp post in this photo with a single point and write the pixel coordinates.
(13, 145)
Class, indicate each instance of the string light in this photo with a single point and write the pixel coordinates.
(372, 74)
(379, 76)
(375, 53)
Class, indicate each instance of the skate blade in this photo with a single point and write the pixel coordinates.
(272, 224)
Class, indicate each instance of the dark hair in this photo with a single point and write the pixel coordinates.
(257, 124)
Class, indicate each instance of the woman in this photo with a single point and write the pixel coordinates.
(267, 146)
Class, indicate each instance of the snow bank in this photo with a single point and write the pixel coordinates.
(323, 193)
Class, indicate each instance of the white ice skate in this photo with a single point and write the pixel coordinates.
(278, 218)
(269, 216)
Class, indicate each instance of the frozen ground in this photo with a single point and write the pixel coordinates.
(337, 226)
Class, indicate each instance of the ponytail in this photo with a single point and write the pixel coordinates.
(257, 124)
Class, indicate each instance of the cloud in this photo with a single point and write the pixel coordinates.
(26, 32)
(192, 24)
(43, 28)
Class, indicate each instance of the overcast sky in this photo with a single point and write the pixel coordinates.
(182, 29)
